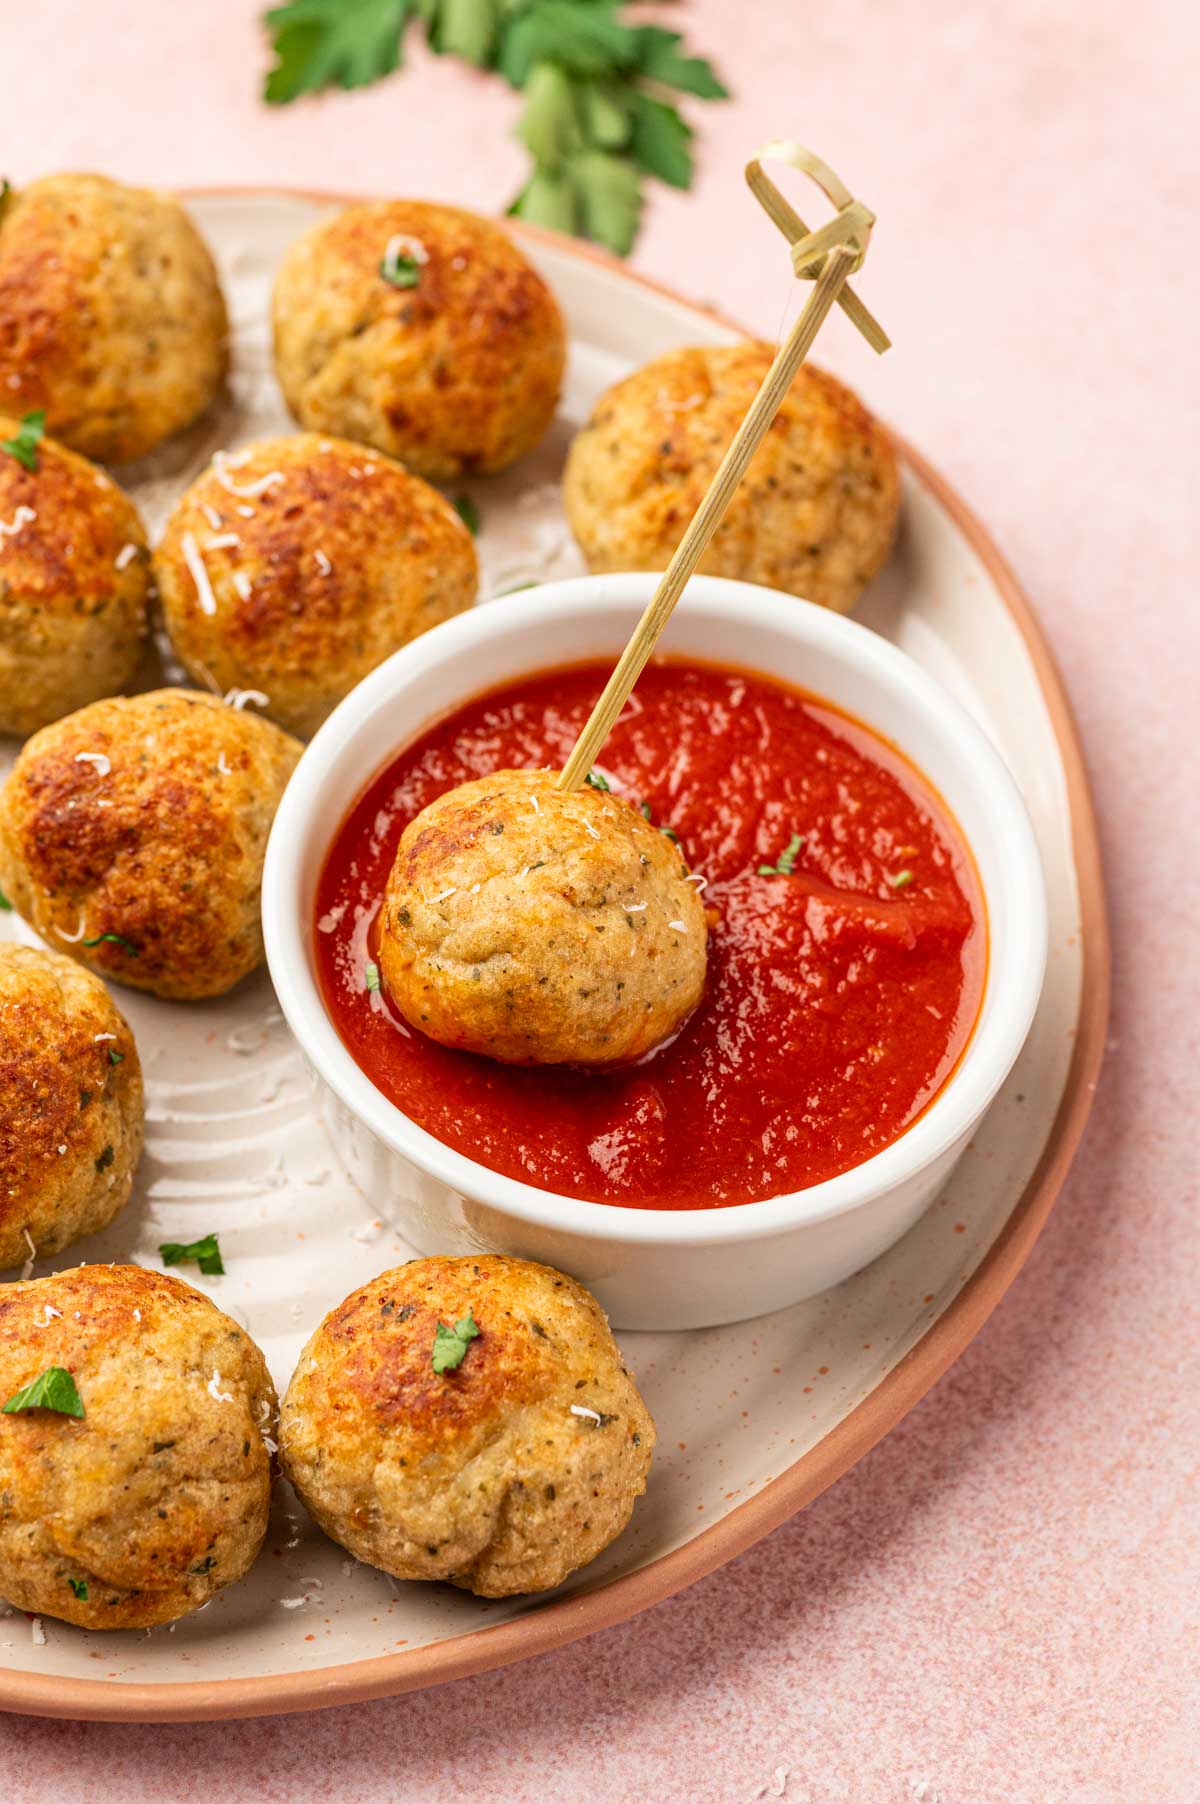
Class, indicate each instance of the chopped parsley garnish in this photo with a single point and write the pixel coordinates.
(5, 904)
(467, 512)
(787, 860)
(24, 443)
(450, 1344)
(204, 1253)
(902, 879)
(647, 813)
(371, 975)
(670, 833)
(400, 271)
(116, 939)
(115, 1057)
(79, 1587)
(52, 1389)
(595, 780)
(105, 1160)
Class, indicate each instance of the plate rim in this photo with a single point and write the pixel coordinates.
(554, 1625)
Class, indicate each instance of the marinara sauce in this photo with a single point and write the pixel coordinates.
(841, 989)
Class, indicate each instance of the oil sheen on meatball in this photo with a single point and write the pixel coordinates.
(814, 515)
(70, 1104)
(454, 365)
(74, 585)
(501, 1475)
(111, 314)
(299, 564)
(539, 926)
(153, 1500)
(133, 833)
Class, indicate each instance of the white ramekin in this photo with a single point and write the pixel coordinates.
(658, 1267)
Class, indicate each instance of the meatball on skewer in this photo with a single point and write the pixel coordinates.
(541, 926)
(468, 1420)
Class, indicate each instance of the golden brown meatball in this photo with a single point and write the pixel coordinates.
(815, 513)
(74, 584)
(154, 1499)
(111, 315)
(501, 1474)
(132, 837)
(457, 369)
(539, 926)
(70, 1104)
(297, 566)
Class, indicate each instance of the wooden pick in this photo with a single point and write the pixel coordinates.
(826, 257)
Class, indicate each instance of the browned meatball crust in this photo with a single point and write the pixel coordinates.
(459, 371)
(133, 833)
(538, 926)
(814, 515)
(111, 315)
(70, 1104)
(74, 585)
(158, 1496)
(298, 565)
(502, 1475)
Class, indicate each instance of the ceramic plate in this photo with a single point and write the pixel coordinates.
(754, 1419)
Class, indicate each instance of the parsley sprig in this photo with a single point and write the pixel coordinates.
(787, 860)
(599, 113)
(450, 1344)
(206, 1253)
(24, 443)
(53, 1389)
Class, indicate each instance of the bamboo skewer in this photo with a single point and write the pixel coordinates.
(829, 256)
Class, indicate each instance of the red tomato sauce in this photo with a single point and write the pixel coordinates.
(839, 998)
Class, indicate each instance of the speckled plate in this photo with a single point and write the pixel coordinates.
(754, 1419)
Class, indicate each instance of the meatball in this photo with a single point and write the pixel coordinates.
(74, 585)
(70, 1104)
(815, 514)
(111, 315)
(295, 567)
(502, 1473)
(155, 1497)
(132, 837)
(541, 926)
(422, 330)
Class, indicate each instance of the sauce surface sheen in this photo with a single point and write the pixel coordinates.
(839, 997)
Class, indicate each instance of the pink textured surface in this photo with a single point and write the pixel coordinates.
(998, 1604)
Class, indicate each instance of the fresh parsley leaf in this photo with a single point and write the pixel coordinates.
(450, 1344)
(205, 1253)
(117, 939)
(332, 43)
(371, 975)
(610, 198)
(550, 127)
(465, 28)
(583, 38)
(400, 271)
(467, 512)
(548, 199)
(52, 1389)
(597, 780)
(902, 879)
(670, 833)
(115, 1057)
(79, 1587)
(24, 443)
(659, 58)
(661, 142)
(787, 860)
(5, 904)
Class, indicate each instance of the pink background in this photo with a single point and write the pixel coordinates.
(999, 1604)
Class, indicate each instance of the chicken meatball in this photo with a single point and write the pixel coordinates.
(541, 926)
(422, 330)
(132, 837)
(74, 584)
(70, 1105)
(468, 1420)
(815, 513)
(111, 315)
(149, 1494)
(297, 566)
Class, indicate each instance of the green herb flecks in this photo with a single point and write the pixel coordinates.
(400, 270)
(114, 939)
(52, 1389)
(115, 1057)
(450, 1344)
(647, 813)
(599, 90)
(902, 879)
(596, 779)
(6, 906)
(205, 1253)
(371, 975)
(467, 512)
(24, 443)
(79, 1587)
(787, 860)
